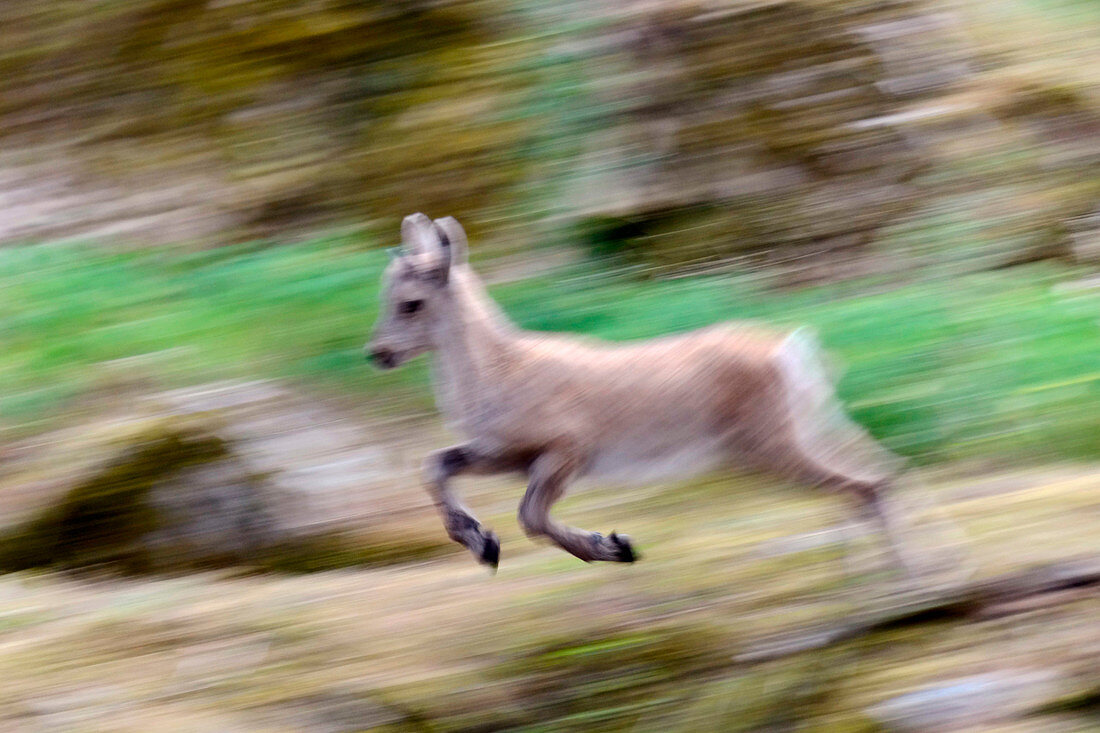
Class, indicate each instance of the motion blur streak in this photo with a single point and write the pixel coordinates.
(214, 514)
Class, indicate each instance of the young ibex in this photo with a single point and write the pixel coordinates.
(560, 408)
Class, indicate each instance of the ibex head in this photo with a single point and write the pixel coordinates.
(414, 288)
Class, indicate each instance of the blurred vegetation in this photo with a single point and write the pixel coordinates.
(258, 117)
(925, 170)
(997, 363)
(679, 135)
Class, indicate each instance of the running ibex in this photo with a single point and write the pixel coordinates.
(560, 408)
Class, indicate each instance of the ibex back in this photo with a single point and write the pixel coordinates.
(560, 408)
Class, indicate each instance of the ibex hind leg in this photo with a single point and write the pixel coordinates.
(880, 511)
(870, 490)
(816, 442)
(869, 496)
(945, 558)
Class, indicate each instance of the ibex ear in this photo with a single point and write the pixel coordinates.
(453, 239)
(418, 235)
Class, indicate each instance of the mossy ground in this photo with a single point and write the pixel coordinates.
(550, 643)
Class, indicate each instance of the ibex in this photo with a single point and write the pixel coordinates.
(560, 408)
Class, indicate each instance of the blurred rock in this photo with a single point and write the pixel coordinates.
(683, 134)
(1053, 189)
(764, 128)
(178, 120)
(1084, 234)
(337, 713)
(967, 701)
(230, 473)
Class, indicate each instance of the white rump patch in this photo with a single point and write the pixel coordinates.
(821, 427)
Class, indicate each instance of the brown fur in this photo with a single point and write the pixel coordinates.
(561, 408)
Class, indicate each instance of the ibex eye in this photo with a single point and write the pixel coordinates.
(410, 306)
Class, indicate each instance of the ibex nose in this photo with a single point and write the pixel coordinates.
(382, 357)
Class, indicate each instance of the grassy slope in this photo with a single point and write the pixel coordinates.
(991, 363)
(549, 643)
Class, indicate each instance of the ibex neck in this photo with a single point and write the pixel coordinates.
(473, 344)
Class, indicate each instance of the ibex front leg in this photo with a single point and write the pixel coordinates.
(548, 478)
(462, 527)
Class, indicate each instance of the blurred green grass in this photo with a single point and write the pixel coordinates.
(1003, 363)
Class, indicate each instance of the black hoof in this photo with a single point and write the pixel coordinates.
(624, 551)
(490, 551)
